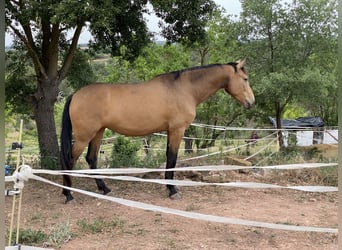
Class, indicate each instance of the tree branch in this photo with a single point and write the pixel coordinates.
(39, 68)
(69, 56)
(46, 41)
(287, 100)
(53, 51)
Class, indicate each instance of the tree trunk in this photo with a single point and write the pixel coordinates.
(279, 127)
(188, 145)
(188, 141)
(211, 143)
(45, 121)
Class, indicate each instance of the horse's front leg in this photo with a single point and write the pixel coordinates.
(173, 140)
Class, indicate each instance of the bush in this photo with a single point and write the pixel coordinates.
(124, 153)
(153, 160)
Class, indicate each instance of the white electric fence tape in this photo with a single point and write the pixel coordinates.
(23, 247)
(192, 215)
(197, 168)
(198, 183)
(26, 173)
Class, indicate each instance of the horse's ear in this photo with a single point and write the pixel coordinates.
(241, 63)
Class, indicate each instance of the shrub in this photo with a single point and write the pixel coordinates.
(124, 153)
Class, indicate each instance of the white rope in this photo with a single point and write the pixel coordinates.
(214, 153)
(23, 247)
(26, 173)
(262, 149)
(90, 174)
(19, 176)
(188, 183)
(96, 173)
(180, 169)
(200, 125)
(193, 215)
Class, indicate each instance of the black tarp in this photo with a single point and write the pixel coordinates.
(300, 122)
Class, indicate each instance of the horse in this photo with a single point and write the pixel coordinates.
(167, 103)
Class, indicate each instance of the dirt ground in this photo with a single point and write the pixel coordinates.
(101, 224)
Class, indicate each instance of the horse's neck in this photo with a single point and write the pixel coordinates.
(203, 87)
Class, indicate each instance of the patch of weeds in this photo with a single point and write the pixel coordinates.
(99, 225)
(59, 234)
(174, 230)
(36, 218)
(257, 232)
(28, 237)
(171, 243)
(232, 240)
(272, 239)
(287, 155)
(310, 153)
(141, 232)
(328, 176)
(134, 225)
(192, 207)
(138, 231)
(158, 218)
(152, 160)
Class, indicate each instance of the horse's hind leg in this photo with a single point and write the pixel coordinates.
(77, 149)
(91, 158)
(67, 182)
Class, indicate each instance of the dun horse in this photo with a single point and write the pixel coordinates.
(166, 103)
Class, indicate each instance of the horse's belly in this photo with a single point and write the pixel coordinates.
(136, 127)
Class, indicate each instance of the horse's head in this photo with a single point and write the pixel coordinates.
(238, 85)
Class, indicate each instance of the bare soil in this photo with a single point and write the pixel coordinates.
(43, 208)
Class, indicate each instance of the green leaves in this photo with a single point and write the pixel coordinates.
(292, 51)
(80, 72)
(184, 21)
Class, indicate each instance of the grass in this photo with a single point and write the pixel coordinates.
(57, 235)
(99, 225)
(28, 237)
(192, 207)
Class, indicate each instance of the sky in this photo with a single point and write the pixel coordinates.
(231, 6)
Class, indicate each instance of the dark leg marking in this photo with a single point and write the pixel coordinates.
(171, 163)
(66, 192)
(91, 159)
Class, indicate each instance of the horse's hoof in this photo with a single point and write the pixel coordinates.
(106, 190)
(70, 200)
(175, 196)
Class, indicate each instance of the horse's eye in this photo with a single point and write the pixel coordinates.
(245, 79)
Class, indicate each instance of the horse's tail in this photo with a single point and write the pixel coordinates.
(66, 137)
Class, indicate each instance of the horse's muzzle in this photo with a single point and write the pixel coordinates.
(248, 104)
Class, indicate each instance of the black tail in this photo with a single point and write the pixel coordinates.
(66, 137)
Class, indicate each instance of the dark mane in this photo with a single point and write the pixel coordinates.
(234, 65)
(174, 75)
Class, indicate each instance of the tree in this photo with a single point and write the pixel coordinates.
(221, 45)
(282, 40)
(157, 59)
(41, 28)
